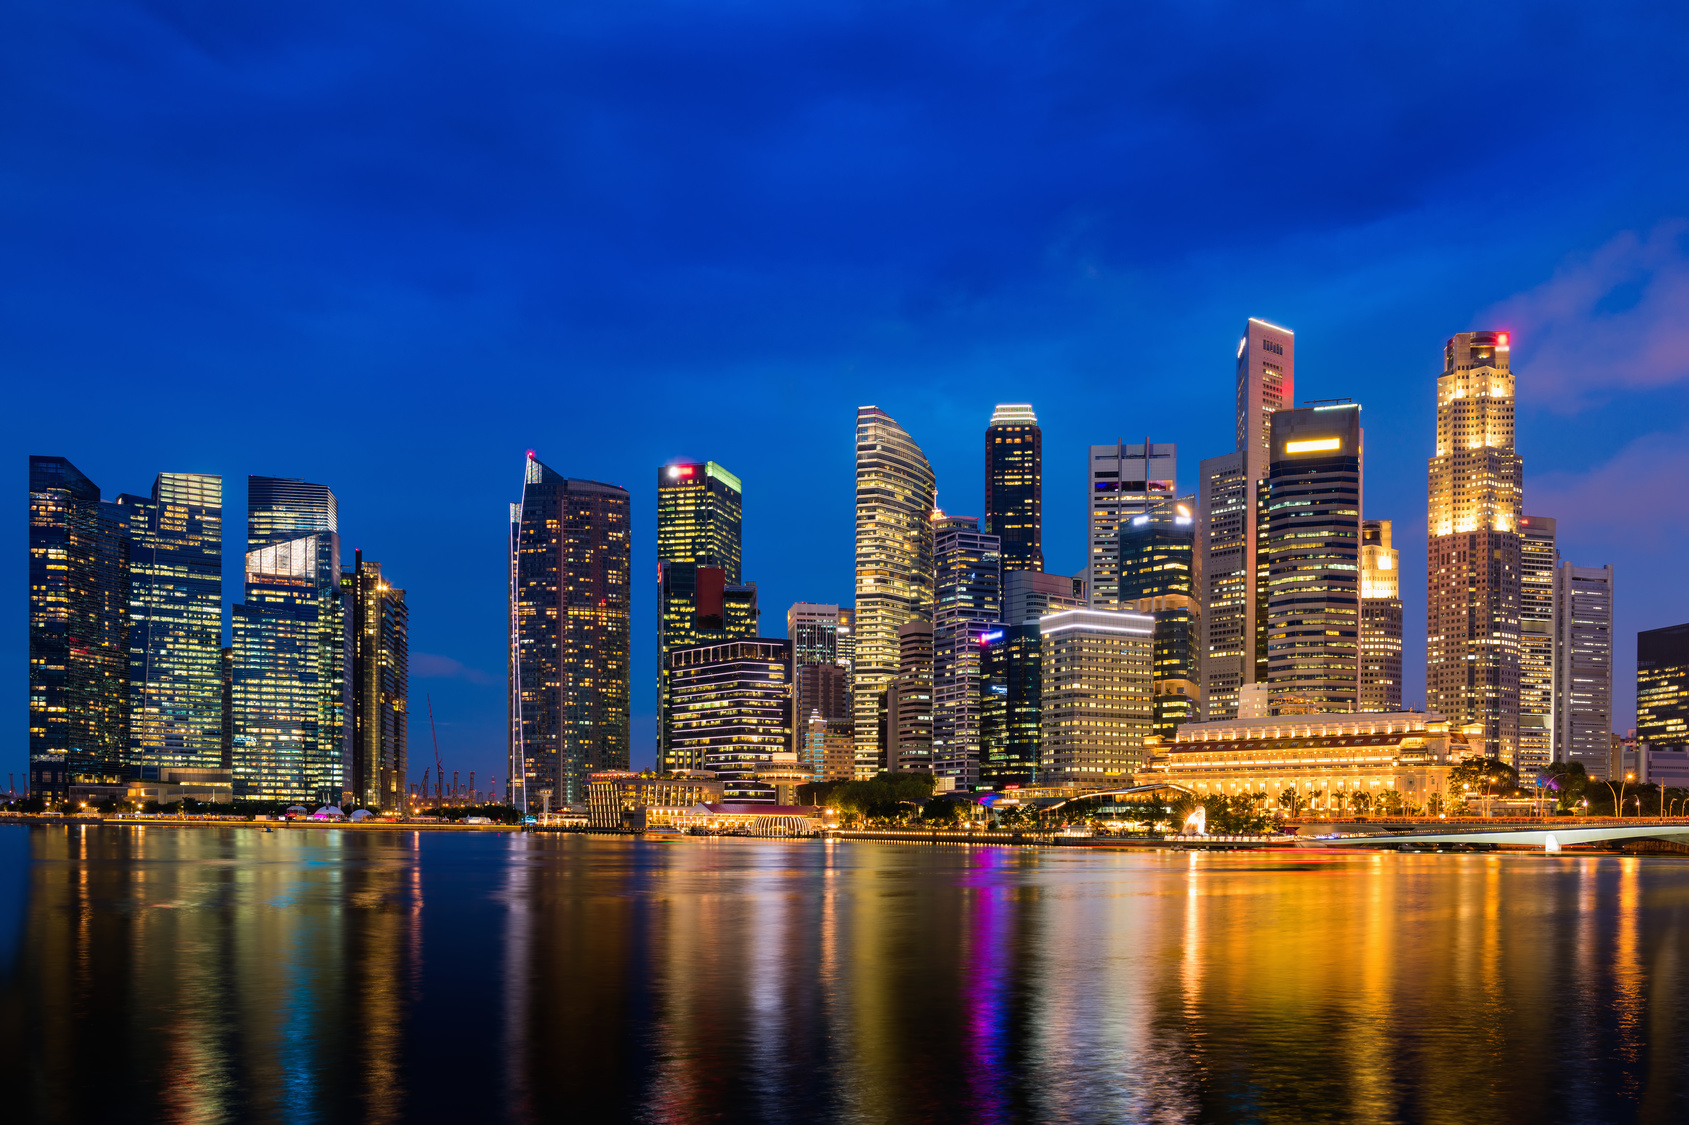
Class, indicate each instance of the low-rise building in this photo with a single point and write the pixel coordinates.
(757, 819)
(614, 798)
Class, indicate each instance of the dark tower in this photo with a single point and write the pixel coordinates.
(1014, 485)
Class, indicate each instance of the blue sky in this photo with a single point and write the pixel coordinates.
(390, 247)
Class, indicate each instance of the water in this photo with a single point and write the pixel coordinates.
(227, 974)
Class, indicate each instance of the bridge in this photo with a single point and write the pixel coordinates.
(1548, 838)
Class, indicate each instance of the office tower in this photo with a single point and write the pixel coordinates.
(1232, 524)
(1313, 560)
(175, 624)
(228, 732)
(1011, 701)
(732, 709)
(813, 630)
(1125, 481)
(1014, 485)
(699, 596)
(1472, 546)
(908, 722)
(1381, 620)
(380, 687)
(824, 688)
(1097, 695)
(78, 632)
(1538, 559)
(1157, 560)
(570, 554)
(1029, 595)
(829, 751)
(291, 690)
(847, 640)
(1583, 666)
(968, 599)
(1662, 686)
(894, 563)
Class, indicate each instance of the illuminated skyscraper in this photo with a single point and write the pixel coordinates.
(1157, 552)
(1011, 704)
(570, 560)
(732, 708)
(1014, 485)
(1472, 546)
(1538, 560)
(1583, 666)
(968, 599)
(1125, 481)
(699, 596)
(1232, 524)
(813, 629)
(78, 632)
(894, 563)
(821, 679)
(1097, 691)
(380, 688)
(291, 690)
(909, 701)
(1313, 560)
(1381, 620)
(1662, 686)
(175, 624)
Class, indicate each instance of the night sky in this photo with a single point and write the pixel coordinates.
(390, 247)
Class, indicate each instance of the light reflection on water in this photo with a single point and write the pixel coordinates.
(227, 974)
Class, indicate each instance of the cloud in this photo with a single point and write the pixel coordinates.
(1613, 502)
(428, 666)
(1616, 319)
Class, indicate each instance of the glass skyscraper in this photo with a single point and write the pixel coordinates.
(1014, 485)
(732, 711)
(1156, 557)
(1539, 557)
(175, 625)
(380, 687)
(1662, 686)
(968, 598)
(78, 632)
(1381, 620)
(570, 569)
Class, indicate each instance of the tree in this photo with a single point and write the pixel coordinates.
(1292, 800)
(1360, 801)
(1484, 775)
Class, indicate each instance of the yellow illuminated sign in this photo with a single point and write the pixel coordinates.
(1314, 445)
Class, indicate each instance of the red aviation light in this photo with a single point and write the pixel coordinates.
(1501, 339)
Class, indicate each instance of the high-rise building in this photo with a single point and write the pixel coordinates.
(292, 676)
(813, 629)
(700, 599)
(380, 687)
(1232, 524)
(1011, 704)
(78, 632)
(1472, 546)
(1538, 560)
(1030, 594)
(1157, 564)
(847, 639)
(1662, 686)
(829, 751)
(732, 708)
(1125, 481)
(570, 560)
(1014, 485)
(909, 701)
(968, 600)
(1313, 560)
(894, 563)
(175, 624)
(824, 688)
(1381, 620)
(1097, 691)
(1583, 666)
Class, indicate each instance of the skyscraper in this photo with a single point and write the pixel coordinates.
(1313, 560)
(894, 562)
(1583, 666)
(820, 673)
(175, 624)
(570, 559)
(380, 687)
(699, 596)
(732, 708)
(1125, 481)
(291, 691)
(909, 701)
(1029, 595)
(1011, 704)
(1472, 546)
(1232, 524)
(1097, 692)
(968, 600)
(1014, 485)
(1662, 686)
(813, 629)
(1538, 560)
(78, 632)
(1157, 552)
(1381, 620)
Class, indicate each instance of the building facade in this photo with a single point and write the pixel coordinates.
(1472, 545)
(829, 751)
(1539, 558)
(617, 798)
(1011, 705)
(732, 709)
(1096, 694)
(1014, 485)
(380, 688)
(78, 632)
(1157, 579)
(908, 722)
(1583, 666)
(570, 574)
(1381, 620)
(1313, 560)
(1124, 481)
(1029, 595)
(894, 563)
(1662, 686)
(968, 599)
(813, 629)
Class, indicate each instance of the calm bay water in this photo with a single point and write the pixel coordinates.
(227, 974)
